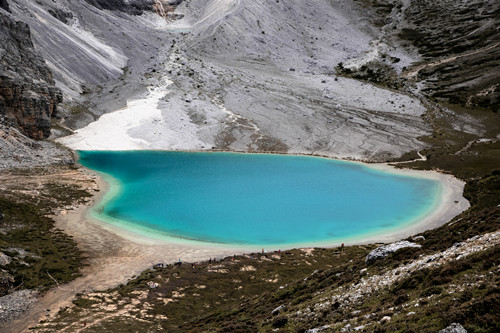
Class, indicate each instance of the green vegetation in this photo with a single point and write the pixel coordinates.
(40, 254)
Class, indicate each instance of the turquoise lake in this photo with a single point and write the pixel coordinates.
(255, 199)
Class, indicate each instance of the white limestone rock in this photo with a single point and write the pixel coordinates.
(454, 328)
(383, 251)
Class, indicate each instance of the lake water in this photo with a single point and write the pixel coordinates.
(255, 199)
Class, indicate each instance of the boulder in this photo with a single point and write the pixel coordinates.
(383, 251)
(454, 328)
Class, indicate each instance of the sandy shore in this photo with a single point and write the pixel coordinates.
(116, 255)
(450, 204)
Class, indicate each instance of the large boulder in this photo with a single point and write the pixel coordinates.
(454, 328)
(383, 251)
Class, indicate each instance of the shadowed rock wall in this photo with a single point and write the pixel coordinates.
(134, 7)
(5, 5)
(28, 95)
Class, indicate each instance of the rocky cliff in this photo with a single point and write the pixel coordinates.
(135, 7)
(28, 95)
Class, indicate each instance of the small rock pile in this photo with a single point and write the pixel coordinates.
(13, 305)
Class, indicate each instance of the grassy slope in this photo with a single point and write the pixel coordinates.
(50, 255)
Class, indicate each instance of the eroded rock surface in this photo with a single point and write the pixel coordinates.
(28, 95)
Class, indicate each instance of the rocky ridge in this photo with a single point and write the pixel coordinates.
(458, 53)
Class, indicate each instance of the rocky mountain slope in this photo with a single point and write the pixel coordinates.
(372, 80)
(460, 53)
(229, 75)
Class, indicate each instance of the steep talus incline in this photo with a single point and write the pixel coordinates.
(267, 68)
(286, 34)
(84, 45)
(232, 75)
(260, 75)
(99, 51)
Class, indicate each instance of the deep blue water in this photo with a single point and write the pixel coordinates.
(257, 198)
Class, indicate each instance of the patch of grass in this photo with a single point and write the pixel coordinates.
(51, 255)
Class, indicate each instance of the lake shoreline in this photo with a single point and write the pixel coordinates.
(116, 256)
(451, 203)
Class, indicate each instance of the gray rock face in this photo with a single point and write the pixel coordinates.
(383, 251)
(28, 95)
(15, 304)
(454, 328)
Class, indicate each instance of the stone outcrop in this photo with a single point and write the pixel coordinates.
(383, 251)
(163, 8)
(356, 293)
(28, 95)
(458, 51)
(19, 151)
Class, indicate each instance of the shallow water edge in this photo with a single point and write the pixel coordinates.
(449, 204)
